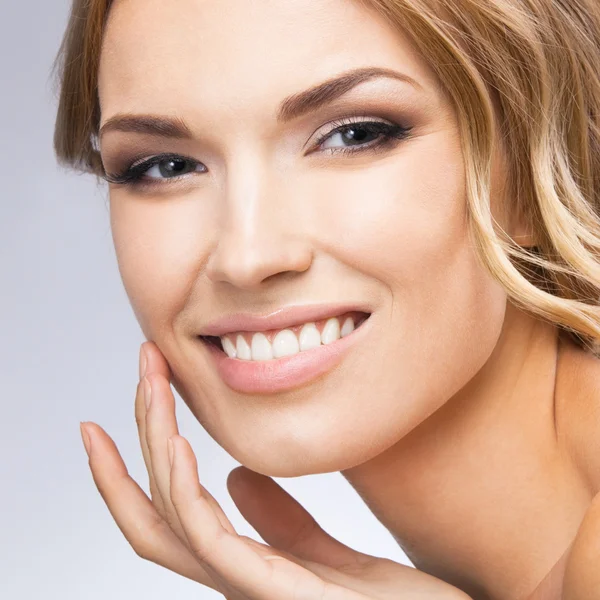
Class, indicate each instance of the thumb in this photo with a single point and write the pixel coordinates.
(283, 523)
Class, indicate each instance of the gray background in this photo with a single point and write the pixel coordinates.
(69, 353)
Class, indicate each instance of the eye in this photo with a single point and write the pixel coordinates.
(350, 136)
(156, 169)
(170, 167)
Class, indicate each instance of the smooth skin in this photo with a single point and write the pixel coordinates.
(183, 528)
(472, 432)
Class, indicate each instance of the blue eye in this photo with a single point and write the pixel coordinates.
(165, 168)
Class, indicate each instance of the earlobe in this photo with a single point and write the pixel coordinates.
(506, 205)
(520, 231)
(524, 238)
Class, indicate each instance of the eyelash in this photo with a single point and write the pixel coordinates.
(390, 134)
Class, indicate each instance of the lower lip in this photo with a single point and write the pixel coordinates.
(287, 372)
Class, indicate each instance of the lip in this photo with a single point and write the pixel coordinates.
(288, 372)
(288, 316)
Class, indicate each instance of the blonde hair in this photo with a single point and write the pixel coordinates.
(521, 73)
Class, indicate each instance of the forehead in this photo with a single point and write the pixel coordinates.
(239, 54)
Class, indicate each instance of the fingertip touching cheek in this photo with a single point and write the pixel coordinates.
(235, 189)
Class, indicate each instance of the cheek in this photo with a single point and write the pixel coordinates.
(157, 244)
(402, 219)
(405, 224)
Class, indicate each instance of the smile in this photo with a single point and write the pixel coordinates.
(274, 361)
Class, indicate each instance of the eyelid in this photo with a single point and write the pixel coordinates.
(351, 118)
(154, 159)
(144, 164)
(135, 173)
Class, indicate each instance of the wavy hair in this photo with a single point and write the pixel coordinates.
(524, 74)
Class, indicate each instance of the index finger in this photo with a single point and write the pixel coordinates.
(156, 362)
(256, 572)
(135, 514)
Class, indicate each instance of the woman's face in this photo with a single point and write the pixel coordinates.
(270, 214)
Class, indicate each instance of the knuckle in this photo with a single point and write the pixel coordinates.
(204, 552)
(156, 496)
(172, 522)
(143, 552)
(146, 544)
(144, 548)
(201, 553)
(313, 587)
(177, 503)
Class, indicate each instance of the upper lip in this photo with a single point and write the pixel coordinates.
(282, 318)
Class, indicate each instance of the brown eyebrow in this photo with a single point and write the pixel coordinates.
(298, 104)
(292, 107)
(167, 127)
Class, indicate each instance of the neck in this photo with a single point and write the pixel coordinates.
(456, 491)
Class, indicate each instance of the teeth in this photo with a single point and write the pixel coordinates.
(309, 337)
(348, 327)
(331, 331)
(229, 348)
(286, 343)
(243, 350)
(261, 347)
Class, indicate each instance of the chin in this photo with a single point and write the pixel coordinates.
(275, 466)
(318, 452)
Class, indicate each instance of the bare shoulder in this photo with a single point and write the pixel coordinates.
(576, 576)
(577, 410)
(581, 579)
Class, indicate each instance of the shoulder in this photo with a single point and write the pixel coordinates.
(582, 576)
(577, 410)
(577, 421)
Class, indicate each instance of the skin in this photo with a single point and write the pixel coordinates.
(457, 434)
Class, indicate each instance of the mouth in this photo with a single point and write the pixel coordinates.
(327, 330)
(261, 369)
(213, 341)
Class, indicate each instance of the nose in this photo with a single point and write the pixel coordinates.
(261, 235)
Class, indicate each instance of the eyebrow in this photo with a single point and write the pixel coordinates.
(291, 108)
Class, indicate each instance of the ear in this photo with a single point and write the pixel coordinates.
(505, 204)
(520, 231)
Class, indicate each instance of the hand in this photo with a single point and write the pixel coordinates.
(183, 528)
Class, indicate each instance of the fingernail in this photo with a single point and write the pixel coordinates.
(170, 450)
(143, 362)
(147, 393)
(85, 436)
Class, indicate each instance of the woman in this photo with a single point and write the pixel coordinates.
(358, 237)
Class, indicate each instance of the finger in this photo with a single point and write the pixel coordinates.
(134, 513)
(156, 363)
(285, 524)
(161, 424)
(140, 419)
(227, 557)
(155, 360)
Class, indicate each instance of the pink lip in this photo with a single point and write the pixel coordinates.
(280, 319)
(277, 375)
